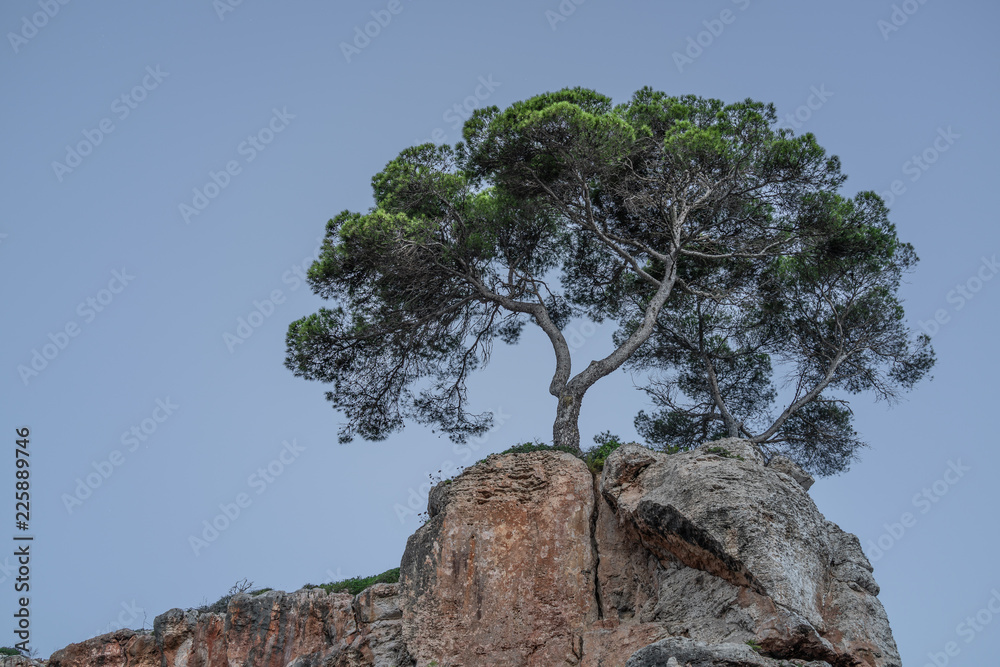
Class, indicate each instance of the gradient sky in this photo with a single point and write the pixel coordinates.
(140, 299)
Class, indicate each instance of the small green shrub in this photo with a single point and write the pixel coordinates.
(596, 456)
(259, 591)
(355, 585)
(752, 644)
(537, 446)
(593, 457)
(222, 604)
(6, 650)
(724, 453)
(218, 607)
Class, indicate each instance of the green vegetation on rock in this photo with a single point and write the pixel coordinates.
(355, 585)
(593, 457)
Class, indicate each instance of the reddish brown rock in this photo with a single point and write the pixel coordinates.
(527, 560)
(608, 643)
(502, 573)
(21, 661)
(307, 628)
(124, 647)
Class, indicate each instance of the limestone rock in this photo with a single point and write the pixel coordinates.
(746, 556)
(736, 448)
(503, 571)
(790, 468)
(378, 614)
(684, 652)
(307, 628)
(698, 559)
(268, 630)
(21, 661)
(123, 647)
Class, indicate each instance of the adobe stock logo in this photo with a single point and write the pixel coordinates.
(919, 163)
(60, 340)
(122, 106)
(899, 17)
(714, 28)
(929, 496)
(105, 468)
(381, 18)
(223, 7)
(962, 294)
(38, 20)
(250, 148)
(968, 630)
(566, 9)
(817, 98)
(259, 481)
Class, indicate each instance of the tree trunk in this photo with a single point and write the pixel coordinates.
(566, 429)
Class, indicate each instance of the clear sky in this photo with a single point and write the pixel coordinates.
(169, 167)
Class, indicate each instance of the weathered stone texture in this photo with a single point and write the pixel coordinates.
(708, 558)
(503, 571)
(307, 628)
(746, 556)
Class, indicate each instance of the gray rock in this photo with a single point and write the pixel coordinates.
(707, 558)
(379, 602)
(786, 465)
(690, 653)
(732, 448)
(746, 556)
(20, 661)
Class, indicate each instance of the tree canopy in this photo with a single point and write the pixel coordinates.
(719, 244)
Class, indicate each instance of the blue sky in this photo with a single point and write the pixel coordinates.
(169, 169)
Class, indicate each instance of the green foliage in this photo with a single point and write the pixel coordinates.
(754, 645)
(723, 452)
(718, 242)
(6, 650)
(537, 446)
(222, 604)
(218, 607)
(596, 456)
(593, 457)
(355, 585)
(826, 313)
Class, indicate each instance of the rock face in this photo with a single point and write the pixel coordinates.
(701, 559)
(124, 647)
(306, 628)
(20, 661)
(503, 571)
(745, 556)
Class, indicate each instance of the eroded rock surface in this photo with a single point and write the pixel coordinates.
(746, 556)
(21, 661)
(307, 628)
(683, 652)
(503, 571)
(708, 558)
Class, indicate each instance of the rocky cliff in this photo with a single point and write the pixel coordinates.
(705, 558)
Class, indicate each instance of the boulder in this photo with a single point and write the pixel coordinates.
(684, 652)
(745, 556)
(786, 465)
(123, 647)
(503, 571)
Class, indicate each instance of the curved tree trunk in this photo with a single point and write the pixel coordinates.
(566, 429)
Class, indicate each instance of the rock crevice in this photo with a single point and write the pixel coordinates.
(699, 559)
